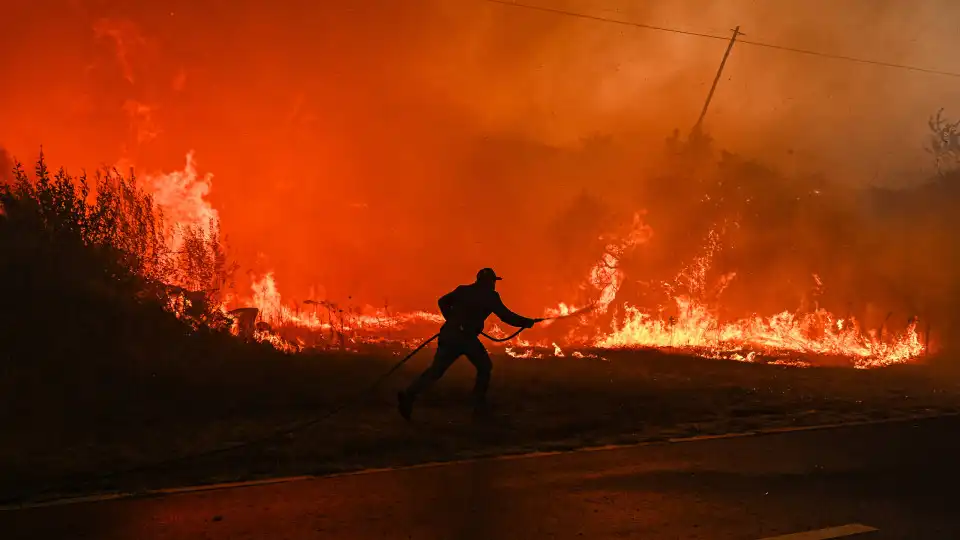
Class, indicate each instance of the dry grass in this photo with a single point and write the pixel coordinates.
(61, 441)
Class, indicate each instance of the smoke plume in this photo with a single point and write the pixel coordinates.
(386, 150)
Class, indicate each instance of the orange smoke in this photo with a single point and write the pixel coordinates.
(387, 152)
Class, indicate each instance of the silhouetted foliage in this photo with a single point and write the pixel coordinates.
(86, 270)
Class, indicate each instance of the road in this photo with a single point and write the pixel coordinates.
(897, 478)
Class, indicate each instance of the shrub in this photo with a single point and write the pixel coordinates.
(86, 268)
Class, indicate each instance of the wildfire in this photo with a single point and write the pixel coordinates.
(697, 329)
(605, 323)
(578, 354)
(329, 322)
(183, 197)
(606, 275)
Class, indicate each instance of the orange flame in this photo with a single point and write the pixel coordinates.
(696, 328)
(183, 197)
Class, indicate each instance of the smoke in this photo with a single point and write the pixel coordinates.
(386, 150)
(126, 39)
(6, 166)
(559, 78)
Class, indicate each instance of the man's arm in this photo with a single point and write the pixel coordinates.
(509, 317)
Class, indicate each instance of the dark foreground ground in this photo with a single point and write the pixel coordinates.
(77, 432)
(897, 478)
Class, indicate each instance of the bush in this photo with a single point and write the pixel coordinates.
(87, 271)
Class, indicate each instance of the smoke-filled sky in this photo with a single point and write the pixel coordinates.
(387, 149)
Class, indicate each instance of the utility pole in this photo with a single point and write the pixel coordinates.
(703, 113)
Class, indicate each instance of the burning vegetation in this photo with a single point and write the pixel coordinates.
(741, 208)
(687, 248)
(159, 242)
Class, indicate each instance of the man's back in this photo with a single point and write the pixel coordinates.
(468, 307)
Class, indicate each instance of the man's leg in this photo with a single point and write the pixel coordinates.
(480, 359)
(447, 353)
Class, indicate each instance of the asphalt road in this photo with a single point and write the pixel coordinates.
(897, 478)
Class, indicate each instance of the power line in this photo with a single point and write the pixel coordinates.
(604, 19)
(597, 18)
(851, 58)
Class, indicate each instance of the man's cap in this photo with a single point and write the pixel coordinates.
(487, 274)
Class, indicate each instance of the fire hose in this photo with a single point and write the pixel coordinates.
(286, 432)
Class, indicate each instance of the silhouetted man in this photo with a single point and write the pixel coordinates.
(465, 311)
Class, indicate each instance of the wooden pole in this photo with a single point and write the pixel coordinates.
(716, 80)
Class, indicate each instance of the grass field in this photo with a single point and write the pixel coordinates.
(65, 430)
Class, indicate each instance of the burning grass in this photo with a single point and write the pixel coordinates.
(685, 313)
(607, 323)
(182, 265)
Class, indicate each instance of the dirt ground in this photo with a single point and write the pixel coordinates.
(78, 432)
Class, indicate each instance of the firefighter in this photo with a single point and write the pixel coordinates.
(465, 310)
